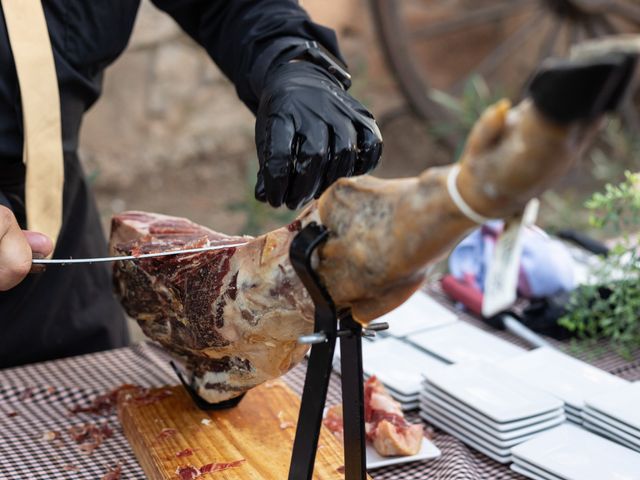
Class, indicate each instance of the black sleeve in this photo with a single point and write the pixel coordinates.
(243, 37)
(4, 201)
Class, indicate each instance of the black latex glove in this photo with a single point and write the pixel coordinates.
(310, 132)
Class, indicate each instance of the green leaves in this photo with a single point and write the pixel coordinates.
(618, 207)
(609, 307)
(463, 110)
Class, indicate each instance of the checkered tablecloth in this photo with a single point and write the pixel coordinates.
(35, 399)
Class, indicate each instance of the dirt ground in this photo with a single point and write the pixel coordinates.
(169, 134)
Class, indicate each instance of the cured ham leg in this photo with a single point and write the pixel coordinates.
(234, 314)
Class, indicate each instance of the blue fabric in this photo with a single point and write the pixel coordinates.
(546, 266)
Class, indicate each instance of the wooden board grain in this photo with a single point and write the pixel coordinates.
(259, 430)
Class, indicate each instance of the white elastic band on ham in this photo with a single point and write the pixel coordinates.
(457, 199)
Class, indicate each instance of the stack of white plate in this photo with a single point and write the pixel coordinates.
(569, 452)
(616, 415)
(487, 408)
(399, 366)
(566, 377)
(461, 342)
(420, 312)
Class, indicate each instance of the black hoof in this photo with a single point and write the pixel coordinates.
(569, 90)
(201, 403)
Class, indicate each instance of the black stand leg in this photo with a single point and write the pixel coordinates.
(319, 370)
(352, 399)
(312, 405)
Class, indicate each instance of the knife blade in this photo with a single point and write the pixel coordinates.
(71, 261)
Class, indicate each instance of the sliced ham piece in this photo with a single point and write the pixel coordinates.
(233, 315)
(385, 425)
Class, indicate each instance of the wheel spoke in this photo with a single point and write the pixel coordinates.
(574, 34)
(605, 24)
(466, 20)
(593, 29)
(630, 116)
(626, 11)
(546, 50)
(502, 51)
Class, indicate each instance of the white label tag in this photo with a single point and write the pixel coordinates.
(501, 283)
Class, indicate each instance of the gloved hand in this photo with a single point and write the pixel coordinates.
(310, 132)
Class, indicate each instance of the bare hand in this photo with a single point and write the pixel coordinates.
(17, 248)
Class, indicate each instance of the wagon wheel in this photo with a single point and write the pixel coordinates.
(438, 44)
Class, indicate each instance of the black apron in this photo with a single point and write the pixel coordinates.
(67, 310)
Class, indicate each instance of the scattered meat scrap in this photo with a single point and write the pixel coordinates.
(12, 414)
(70, 468)
(105, 404)
(145, 396)
(284, 424)
(333, 421)
(189, 472)
(51, 435)
(26, 393)
(90, 436)
(187, 452)
(340, 469)
(166, 433)
(113, 473)
(218, 467)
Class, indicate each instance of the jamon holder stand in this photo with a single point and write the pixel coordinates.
(329, 325)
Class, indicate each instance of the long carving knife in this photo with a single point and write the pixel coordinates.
(71, 261)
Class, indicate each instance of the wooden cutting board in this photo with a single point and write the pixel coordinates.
(259, 430)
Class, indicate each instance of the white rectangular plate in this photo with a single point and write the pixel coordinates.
(428, 451)
(402, 398)
(611, 421)
(622, 404)
(433, 394)
(461, 342)
(574, 419)
(608, 434)
(397, 364)
(492, 392)
(409, 406)
(418, 313)
(629, 440)
(532, 472)
(502, 456)
(471, 429)
(573, 453)
(566, 377)
(573, 410)
(432, 403)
